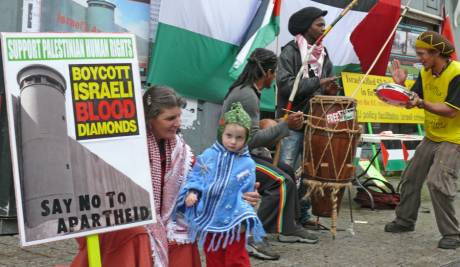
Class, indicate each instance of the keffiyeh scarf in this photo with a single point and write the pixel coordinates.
(178, 161)
(316, 58)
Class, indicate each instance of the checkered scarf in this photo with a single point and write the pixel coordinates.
(316, 58)
(178, 161)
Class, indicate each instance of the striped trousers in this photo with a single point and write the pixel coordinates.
(279, 206)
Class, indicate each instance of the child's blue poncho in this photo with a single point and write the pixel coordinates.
(220, 178)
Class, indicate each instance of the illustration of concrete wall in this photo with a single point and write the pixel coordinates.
(95, 178)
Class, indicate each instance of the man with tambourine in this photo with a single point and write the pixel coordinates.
(437, 158)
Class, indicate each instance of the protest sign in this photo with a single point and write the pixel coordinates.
(77, 134)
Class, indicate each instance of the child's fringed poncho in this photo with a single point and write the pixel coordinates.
(220, 178)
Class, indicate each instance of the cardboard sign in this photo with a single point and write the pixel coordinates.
(77, 134)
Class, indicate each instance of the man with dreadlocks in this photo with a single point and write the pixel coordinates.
(306, 25)
(279, 205)
(437, 158)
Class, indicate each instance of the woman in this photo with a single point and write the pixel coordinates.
(170, 160)
(166, 242)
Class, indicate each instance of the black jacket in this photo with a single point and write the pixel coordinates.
(289, 65)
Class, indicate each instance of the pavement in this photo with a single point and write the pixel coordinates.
(362, 243)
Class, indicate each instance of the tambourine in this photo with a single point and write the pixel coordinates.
(394, 94)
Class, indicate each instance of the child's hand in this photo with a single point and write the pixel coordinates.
(191, 199)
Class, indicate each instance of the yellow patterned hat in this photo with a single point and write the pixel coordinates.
(434, 40)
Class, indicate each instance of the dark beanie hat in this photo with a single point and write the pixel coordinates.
(301, 20)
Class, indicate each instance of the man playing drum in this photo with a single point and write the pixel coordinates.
(279, 203)
(307, 25)
(437, 158)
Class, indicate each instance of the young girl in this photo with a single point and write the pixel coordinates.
(211, 199)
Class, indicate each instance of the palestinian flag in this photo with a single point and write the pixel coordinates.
(368, 23)
(395, 154)
(392, 155)
(263, 30)
(408, 148)
(197, 43)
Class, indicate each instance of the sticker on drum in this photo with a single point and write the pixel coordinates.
(341, 115)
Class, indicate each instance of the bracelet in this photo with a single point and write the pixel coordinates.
(421, 103)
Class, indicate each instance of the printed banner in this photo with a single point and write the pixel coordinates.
(131, 16)
(370, 108)
(77, 134)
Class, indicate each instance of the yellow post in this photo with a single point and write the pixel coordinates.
(94, 254)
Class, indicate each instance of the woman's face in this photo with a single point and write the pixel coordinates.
(165, 125)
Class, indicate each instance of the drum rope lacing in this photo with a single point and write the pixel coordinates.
(351, 133)
(320, 183)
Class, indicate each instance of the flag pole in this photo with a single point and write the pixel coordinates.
(277, 9)
(381, 49)
(295, 87)
(317, 42)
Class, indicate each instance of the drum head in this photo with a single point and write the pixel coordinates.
(393, 94)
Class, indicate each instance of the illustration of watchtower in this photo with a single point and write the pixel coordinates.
(46, 168)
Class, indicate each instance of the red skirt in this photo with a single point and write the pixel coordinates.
(131, 247)
(185, 255)
(128, 247)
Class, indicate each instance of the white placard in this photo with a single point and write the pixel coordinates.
(77, 134)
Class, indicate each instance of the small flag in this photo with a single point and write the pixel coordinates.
(392, 155)
(408, 148)
(262, 31)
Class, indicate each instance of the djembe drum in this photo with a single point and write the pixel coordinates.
(330, 140)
